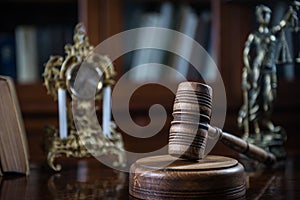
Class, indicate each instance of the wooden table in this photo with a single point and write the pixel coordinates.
(89, 179)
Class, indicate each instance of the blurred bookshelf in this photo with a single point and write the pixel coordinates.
(226, 30)
(231, 23)
(31, 31)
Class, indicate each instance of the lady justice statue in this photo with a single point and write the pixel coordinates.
(259, 79)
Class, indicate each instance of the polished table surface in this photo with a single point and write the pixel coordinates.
(89, 179)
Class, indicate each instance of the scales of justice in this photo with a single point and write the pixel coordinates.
(77, 82)
(264, 49)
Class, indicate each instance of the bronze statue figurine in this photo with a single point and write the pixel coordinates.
(259, 78)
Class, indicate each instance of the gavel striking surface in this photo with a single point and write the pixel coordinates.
(167, 177)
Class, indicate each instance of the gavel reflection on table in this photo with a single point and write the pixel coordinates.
(186, 172)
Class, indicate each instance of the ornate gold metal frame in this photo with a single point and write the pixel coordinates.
(89, 138)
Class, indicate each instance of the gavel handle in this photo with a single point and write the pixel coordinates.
(244, 147)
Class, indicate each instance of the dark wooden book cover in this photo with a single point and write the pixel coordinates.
(13, 141)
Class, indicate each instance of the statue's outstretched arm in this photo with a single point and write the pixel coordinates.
(290, 17)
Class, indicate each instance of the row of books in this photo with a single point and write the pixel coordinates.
(24, 52)
(195, 23)
(183, 18)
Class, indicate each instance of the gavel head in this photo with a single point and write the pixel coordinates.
(189, 128)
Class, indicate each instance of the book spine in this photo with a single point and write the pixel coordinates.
(160, 19)
(187, 25)
(26, 54)
(7, 55)
(204, 69)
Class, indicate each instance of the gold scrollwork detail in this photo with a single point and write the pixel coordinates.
(60, 73)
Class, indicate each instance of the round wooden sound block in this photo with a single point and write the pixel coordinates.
(167, 177)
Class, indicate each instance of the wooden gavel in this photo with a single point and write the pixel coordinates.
(190, 127)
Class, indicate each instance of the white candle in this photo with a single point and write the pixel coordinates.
(106, 114)
(62, 113)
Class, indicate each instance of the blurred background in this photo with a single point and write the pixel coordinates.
(32, 30)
